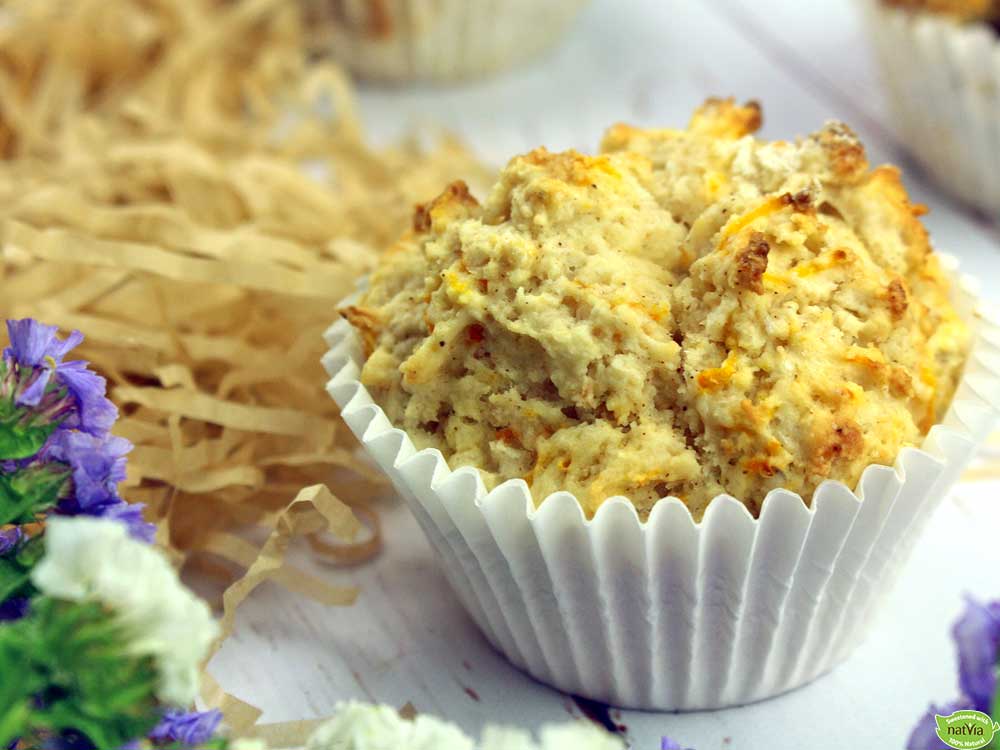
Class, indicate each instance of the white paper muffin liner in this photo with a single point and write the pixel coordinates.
(672, 614)
(943, 81)
(438, 40)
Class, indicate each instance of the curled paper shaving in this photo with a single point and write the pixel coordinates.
(241, 718)
(285, 733)
(314, 510)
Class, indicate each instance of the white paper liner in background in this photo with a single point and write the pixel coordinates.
(444, 40)
(943, 83)
(673, 614)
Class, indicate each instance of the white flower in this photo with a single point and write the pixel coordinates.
(356, 725)
(360, 726)
(506, 738)
(576, 735)
(247, 744)
(95, 560)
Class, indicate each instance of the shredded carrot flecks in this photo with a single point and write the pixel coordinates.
(761, 466)
(475, 333)
(715, 378)
(775, 280)
(455, 284)
(832, 259)
(508, 435)
(739, 223)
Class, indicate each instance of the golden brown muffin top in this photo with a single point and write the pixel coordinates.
(688, 313)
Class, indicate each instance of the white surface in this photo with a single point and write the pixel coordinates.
(649, 62)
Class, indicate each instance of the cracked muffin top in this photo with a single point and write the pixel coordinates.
(691, 312)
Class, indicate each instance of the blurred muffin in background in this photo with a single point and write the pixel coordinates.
(962, 10)
(436, 40)
(941, 63)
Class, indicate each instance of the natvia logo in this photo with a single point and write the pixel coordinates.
(966, 730)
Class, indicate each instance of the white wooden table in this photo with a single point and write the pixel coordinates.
(649, 62)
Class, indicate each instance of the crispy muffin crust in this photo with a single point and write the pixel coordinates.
(688, 313)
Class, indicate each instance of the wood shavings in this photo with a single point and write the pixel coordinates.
(180, 182)
(285, 733)
(240, 715)
(195, 195)
(313, 510)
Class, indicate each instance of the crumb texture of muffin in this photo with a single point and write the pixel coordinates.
(689, 313)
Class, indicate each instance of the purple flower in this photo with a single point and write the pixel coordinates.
(97, 465)
(95, 413)
(13, 608)
(130, 514)
(977, 634)
(34, 346)
(188, 728)
(924, 734)
(38, 355)
(10, 539)
(31, 342)
(668, 744)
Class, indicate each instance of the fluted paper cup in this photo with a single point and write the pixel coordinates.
(943, 82)
(437, 40)
(670, 613)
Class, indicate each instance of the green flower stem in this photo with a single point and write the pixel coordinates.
(27, 492)
(10, 584)
(19, 439)
(19, 510)
(16, 444)
(75, 672)
(23, 430)
(15, 695)
(8, 499)
(15, 571)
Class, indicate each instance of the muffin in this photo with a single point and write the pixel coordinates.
(960, 10)
(688, 313)
(941, 64)
(436, 40)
